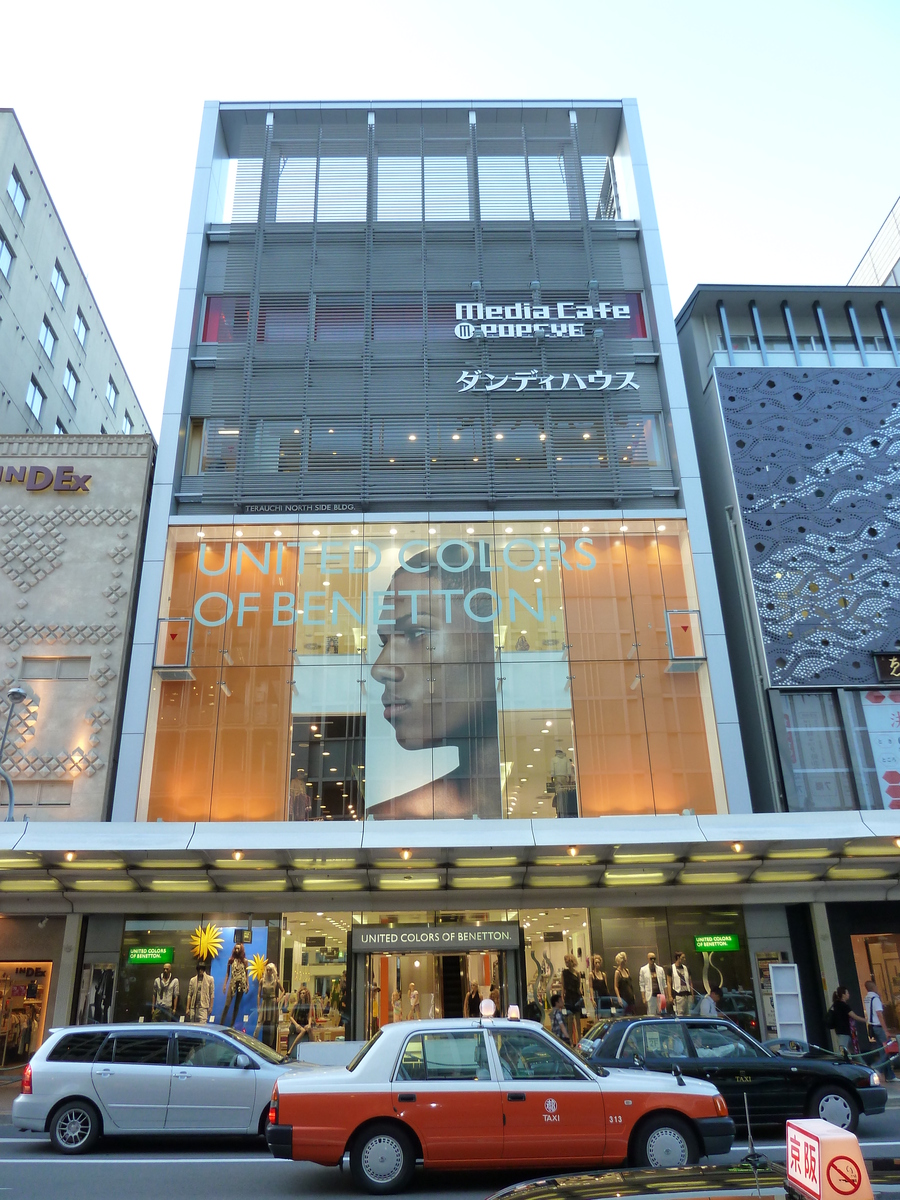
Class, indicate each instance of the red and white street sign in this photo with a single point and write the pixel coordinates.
(825, 1163)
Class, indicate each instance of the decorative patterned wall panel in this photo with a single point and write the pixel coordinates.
(816, 457)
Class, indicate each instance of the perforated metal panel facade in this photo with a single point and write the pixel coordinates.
(331, 360)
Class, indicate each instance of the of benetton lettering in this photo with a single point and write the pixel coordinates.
(39, 478)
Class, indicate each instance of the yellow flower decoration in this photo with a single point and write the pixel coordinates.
(206, 943)
(257, 968)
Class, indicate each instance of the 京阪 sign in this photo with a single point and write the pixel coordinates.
(825, 1163)
(707, 942)
(559, 319)
(38, 478)
(150, 955)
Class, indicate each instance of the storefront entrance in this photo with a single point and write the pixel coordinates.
(407, 972)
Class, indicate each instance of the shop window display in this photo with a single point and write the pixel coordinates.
(23, 1003)
(877, 956)
(451, 670)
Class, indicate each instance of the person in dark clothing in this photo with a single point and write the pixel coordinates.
(839, 1017)
(302, 1017)
(572, 997)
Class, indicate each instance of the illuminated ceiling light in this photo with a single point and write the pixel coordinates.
(475, 459)
(432, 530)
(102, 885)
(258, 885)
(573, 851)
(29, 885)
(239, 533)
(718, 877)
(276, 533)
(482, 881)
(315, 533)
(470, 529)
(331, 431)
(455, 437)
(392, 532)
(237, 855)
(397, 883)
(556, 881)
(69, 856)
(314, 728)
(661, 528)
(499, 861)
(585, 529)
(296, 431)
(801, 852)
(405, 854)
(737, 847)
(586, 437)
(229, 432)
(784, 876)
(498, 437)
(180, 885)
(897, 843)
(858, 873)
(548, 723)
(200, 533)
(543, 437)
(623, 529)
(354, 531)
(547, 529)
(508, 529)
(411, 438)
(633, 878)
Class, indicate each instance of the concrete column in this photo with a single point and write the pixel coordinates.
(67, 971)
(824, 949)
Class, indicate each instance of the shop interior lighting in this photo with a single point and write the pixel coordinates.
(332, 885)
(869, 850)
(560, 881)
(858, 873)
(239, 533)
(719, 877)
(801, 852)
(897, 843)
(94, 864)
(323, 864)
(564, 860)
(200, 533)
(18, 861)
(573, 851)
(276, 533)
(709, 856)
(737, 847)
(169, 864)
(102, 885)
(509, 860)
(405, 855)
(258, 885)
(237, 855)
(634, 878)
(244, 863)
(421, 864)
(29, 885)
(406, 883)
(783, 875)
(69, 856)
(482, 881)
(180, 885)
(661, 528)
(642, 856)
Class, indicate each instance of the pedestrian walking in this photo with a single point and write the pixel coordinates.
(877, 1026)
(558, 1018)
(838, 1018)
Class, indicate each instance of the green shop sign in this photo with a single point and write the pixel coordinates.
(151, 954)
(707, 942)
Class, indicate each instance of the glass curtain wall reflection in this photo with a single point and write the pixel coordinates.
(456, 669)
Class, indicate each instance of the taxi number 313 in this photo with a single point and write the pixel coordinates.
(615, 1120)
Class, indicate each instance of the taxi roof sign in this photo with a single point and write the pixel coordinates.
(825, 1163)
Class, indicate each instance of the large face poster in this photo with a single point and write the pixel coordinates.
(455, 670)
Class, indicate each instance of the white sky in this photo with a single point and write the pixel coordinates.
(771, 127)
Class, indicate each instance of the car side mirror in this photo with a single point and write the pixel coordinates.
(638, 1060)
(242, 1062)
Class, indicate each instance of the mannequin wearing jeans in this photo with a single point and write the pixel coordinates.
(236, 984)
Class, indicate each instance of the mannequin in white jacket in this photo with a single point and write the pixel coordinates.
(653, 983)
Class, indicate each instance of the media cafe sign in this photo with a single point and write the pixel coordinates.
(434, 939)
(561, 319)
(36, 478)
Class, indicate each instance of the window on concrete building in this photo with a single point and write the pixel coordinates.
(59, 282)
(447, 188)
(399, 190)
(16, 192)
(112, 394)
(56, 667)
(342, 189)
(59, 427)
(814, 753)
(35, 397)
(503, 187)
(227, 318)
(81, 327)
(127, 423)
(47, 338)
(70, 382)
(6, 256)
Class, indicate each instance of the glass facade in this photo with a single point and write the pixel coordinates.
(840, 748)
(530, 668)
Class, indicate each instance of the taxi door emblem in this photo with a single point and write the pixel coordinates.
(550, 1105)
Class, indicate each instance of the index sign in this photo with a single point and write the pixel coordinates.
(707, 942)
(152, 955)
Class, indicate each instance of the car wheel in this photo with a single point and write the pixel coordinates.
(75, 1127)
(836, 1105)
(665, 1141)
(382, 1159)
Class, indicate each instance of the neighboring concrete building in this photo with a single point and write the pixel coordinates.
(880, 265)
(795, 403)
(73, 514)
(59, 370)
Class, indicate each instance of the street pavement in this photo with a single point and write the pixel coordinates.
(183, 1169)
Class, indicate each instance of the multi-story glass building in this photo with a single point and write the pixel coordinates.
(794, 396)
(430, 682)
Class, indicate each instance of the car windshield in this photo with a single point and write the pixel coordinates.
(598, 1032)
(271, 1056)
(361, 1054)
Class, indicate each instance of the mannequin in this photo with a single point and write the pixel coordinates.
(236, 985)
(166, 990)
(562, 779)
(268, 1004)
(396, 1007)
(472, 1002)
(573, 1000)
(599, 984)
(622, 982)
(201, 996)
(414, 1014)
(302, 1017)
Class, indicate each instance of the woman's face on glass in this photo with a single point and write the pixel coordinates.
(436, 666)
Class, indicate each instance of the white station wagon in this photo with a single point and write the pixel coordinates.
(137, 1079)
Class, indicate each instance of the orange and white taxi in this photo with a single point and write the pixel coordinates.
(487, 1093)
